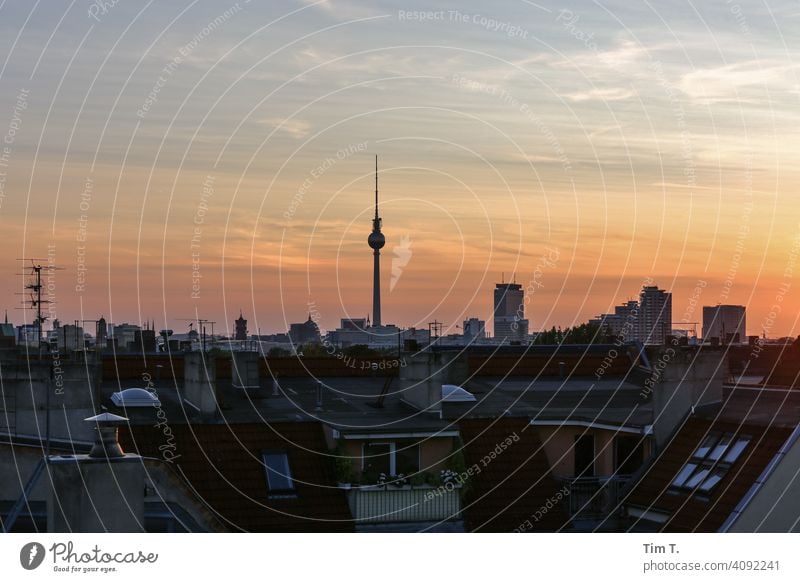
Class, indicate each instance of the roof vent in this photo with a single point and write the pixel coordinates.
(135, 398)
(106, 445)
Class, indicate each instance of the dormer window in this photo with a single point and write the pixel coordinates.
(710, 462)
(279, 474)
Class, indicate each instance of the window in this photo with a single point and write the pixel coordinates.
(279, 476)
(406, 458)
(629, 454)
(584, 455)
(391, 459)
(378, 458)
(710, 462)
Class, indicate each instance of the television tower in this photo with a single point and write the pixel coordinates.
(376, 241)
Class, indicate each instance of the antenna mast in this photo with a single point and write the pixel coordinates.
(33, 288)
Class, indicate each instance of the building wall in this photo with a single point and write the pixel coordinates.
(655, 316)
(559, 441)
(687, 378)
(18, 464)
(509, 309)
(71, 394)
(433, 452)
(722, 321)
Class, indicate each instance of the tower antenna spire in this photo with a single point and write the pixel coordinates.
(376, 241)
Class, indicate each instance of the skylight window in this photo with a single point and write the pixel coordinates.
(135, 398)
(279, 475)
(710, 462)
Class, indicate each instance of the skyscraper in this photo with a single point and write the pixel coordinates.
(654, 322)
(101, 332)
(509, 312)
(376, 241)
(724, 324)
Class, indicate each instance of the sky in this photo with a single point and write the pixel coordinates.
(183, 159)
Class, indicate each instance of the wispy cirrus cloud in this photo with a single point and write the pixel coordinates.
(608, 94)
(738, 81)
(296, 128)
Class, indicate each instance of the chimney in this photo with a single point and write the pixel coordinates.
(106, 444)
(244, 368)
(682, 378)
(99, 492)
(200, 384)
(427, 371)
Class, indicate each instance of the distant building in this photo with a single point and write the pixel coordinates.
(241, 328)
(67, 337)
(101, 333)
(474, 329)
(509, 312)
(654, 322)
(124, 335)
(144, 340)
(354, 324)
(8, 336)
(28, 334)
(304, 333)
(622, 323)
(724, 324)
(7, 329)
(648, 320)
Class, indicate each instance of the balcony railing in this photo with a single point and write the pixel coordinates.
(390, 504)
(594, 497)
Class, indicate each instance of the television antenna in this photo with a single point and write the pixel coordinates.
(201, 323)
(33, 289)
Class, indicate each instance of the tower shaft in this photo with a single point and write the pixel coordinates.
(376, 288)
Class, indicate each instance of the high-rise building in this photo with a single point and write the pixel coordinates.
(509, 312)
(376, 242)
(474, 329)
(724, 324)
(101, 333)
(241, 328)
(622, 323)
(654, 321)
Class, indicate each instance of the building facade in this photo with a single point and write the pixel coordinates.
(509, 313)
(724, 324)
(654, 321)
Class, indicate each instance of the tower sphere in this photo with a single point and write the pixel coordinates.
(376, 240)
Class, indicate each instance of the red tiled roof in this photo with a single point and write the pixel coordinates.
(223, 464)
(515, 486)
(690, 511)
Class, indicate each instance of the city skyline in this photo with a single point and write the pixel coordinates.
(335, 266)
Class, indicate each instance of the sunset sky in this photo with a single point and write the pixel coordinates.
(616, 140)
